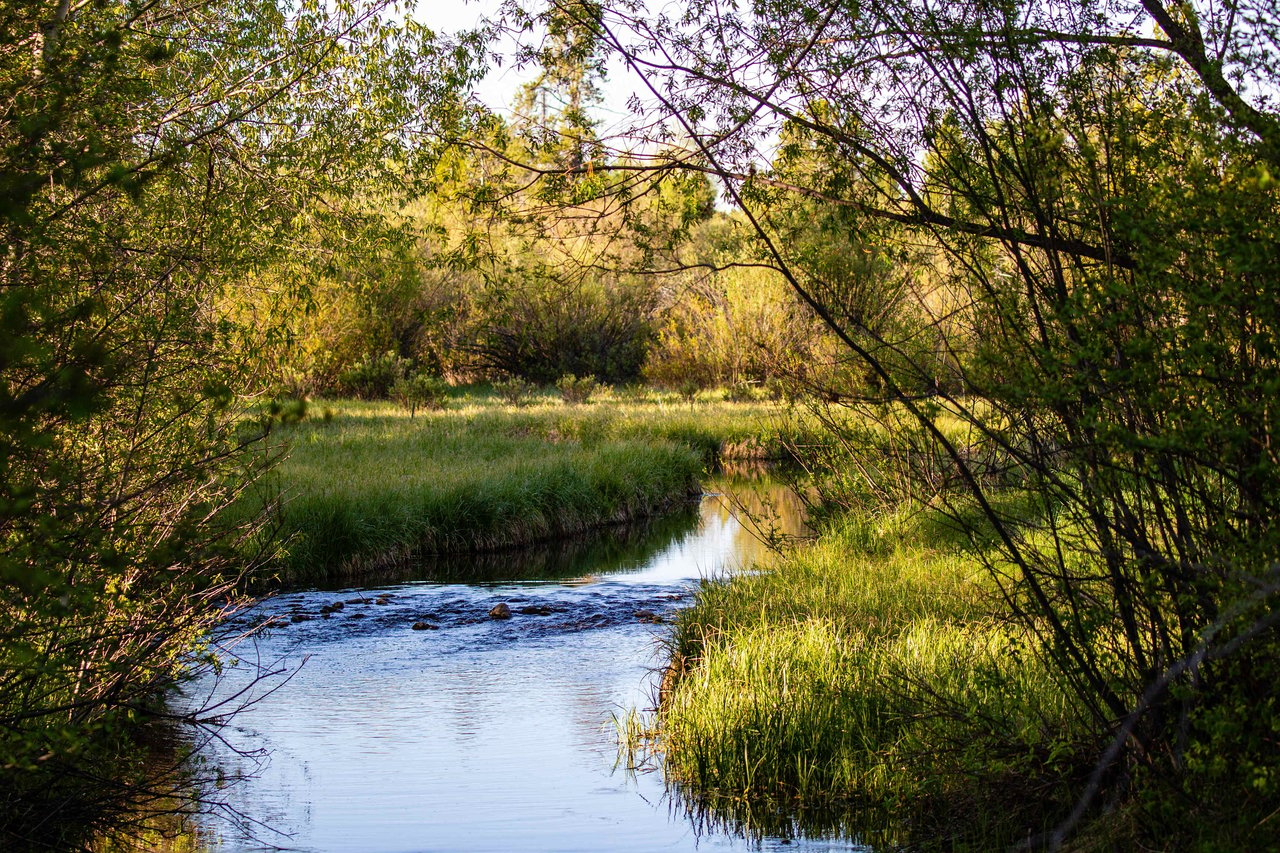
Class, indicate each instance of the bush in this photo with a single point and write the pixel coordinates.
(515, 391)
(688, 391)
(285, 410)
(373, 378)
(540, 327)
(575, 390)
(420, 389)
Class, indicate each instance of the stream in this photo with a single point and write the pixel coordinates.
(469, 733)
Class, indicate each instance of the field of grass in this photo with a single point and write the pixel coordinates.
(365, 487)
(860, 679)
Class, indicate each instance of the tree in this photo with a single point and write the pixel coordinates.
(1092, 187)
(152, 156)
(555, 108)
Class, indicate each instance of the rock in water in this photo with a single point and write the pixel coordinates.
(500, 611)
(425, 626)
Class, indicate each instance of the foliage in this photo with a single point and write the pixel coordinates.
(543, 326)
(725, 320)
(515, 391)
(467, 291)
(554, 107)
(152, 158)
(373, 377)
(390, 284)
(420, 389)
(1069, 214)
(576, 390)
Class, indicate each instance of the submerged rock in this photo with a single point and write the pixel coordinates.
(500, 611)
(649, 616)
(299, 617)
(425, 626)
(535, 610)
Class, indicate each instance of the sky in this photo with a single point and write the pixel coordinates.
(451, 16)
(499, 87)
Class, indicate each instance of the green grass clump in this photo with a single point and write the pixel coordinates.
(861, 675)
(359, 494)
(366, 487)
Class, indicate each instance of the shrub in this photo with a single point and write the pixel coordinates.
(742, 392)
(373, 377)
(420, 389)
(575, 390)
(285, 410)
(539, 327)
(515, 391)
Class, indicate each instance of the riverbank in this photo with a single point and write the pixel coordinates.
(366, 487)
(404, 722)
(865, 685)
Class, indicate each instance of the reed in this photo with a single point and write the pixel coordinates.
(861, 676)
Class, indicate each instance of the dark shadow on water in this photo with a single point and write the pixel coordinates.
(976, 819)
(761, 818)
(606, 550)
(152, 798)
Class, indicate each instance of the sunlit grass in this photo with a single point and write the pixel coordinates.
(711, 425)
(861, 672)
(364, 485)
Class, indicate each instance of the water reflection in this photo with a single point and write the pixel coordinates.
(420, 723)
(766, 820)
(619, 549)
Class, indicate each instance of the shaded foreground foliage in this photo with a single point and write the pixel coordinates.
(153, 156)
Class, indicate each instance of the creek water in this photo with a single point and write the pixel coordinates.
(470, 733)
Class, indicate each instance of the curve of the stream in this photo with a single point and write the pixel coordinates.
(469, 733)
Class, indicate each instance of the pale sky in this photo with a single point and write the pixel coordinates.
(451, 16)
(500, 86)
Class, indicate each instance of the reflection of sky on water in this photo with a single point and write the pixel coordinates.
(481, 735)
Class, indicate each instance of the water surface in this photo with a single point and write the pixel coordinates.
(471, 733)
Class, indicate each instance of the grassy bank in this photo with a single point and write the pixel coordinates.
(365, 487)
(863, 685)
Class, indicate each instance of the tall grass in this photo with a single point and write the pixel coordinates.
(365, 487)
(862, 673)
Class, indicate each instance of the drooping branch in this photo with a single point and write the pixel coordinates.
(1186, 40)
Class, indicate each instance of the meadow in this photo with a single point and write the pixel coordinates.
(365, 487)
